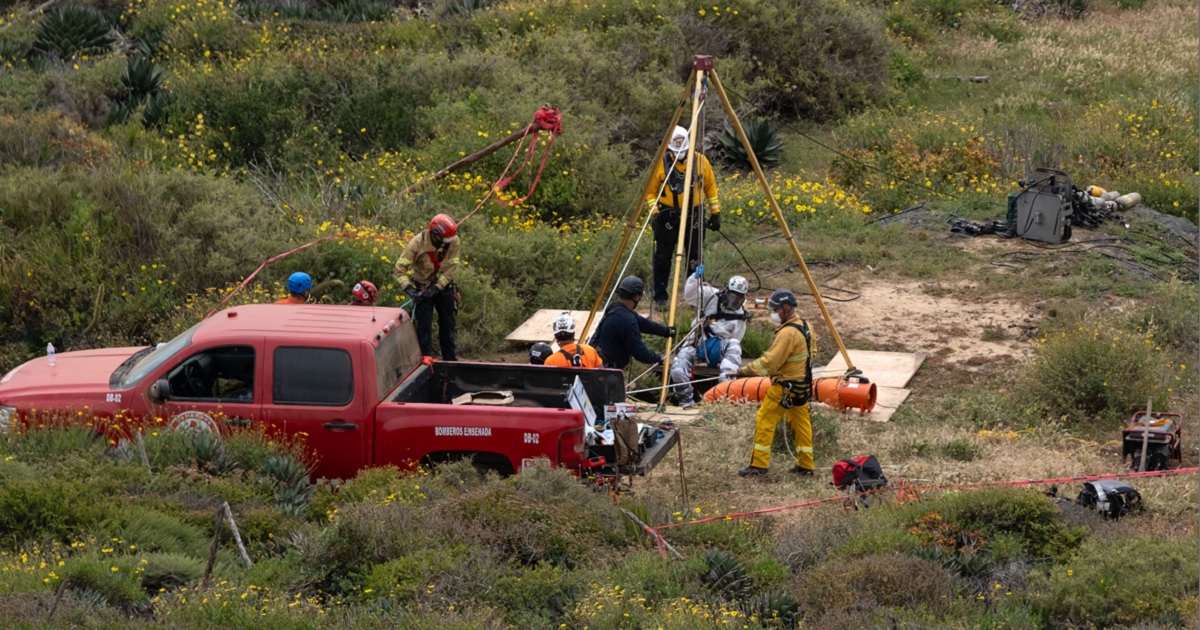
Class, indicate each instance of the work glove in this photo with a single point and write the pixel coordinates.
(714, 222)
(671, 332)
(429, 293)
(748, 316)
(699, 271)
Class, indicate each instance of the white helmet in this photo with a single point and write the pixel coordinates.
(563, 324)
(738, 284)
(679, 143)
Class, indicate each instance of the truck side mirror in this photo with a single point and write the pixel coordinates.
(160, 391)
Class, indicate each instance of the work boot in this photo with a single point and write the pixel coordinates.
(798, 470)
(752, 471)
(661, 303)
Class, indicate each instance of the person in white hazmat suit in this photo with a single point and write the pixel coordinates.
(717, 331)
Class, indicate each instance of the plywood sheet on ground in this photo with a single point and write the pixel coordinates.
(537, 328)
(887, 400)
(885, 369)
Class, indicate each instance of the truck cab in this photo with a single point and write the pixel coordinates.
(348, 381)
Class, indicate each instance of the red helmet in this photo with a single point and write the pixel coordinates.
(365, 293)
(442, 227)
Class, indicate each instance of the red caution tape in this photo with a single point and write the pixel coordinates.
(960, 486)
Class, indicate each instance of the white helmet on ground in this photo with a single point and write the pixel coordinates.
(738, 284)
(679, 143)
(564, 324)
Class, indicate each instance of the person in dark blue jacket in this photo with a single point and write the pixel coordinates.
(619, 336)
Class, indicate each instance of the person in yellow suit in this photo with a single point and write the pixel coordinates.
(789, 364)
(669, 177)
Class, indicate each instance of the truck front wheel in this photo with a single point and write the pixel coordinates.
(483, 462)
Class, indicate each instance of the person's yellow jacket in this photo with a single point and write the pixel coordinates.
(787, 356)
(668, 199)
(424, 264)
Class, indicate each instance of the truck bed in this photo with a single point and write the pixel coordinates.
(533, 386)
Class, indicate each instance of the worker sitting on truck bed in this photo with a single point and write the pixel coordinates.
(426, 272)
(717, 331)
(299, 285)
(619, 336)
(571, 354)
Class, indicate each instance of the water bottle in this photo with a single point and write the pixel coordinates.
(50, 353)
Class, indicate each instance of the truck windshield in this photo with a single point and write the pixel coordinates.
(157, 357)
(395, 356)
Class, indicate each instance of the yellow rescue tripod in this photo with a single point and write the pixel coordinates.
(697, 83)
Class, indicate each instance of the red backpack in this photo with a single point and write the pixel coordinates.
(863, 473)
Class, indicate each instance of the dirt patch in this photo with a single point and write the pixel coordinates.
(940, 319)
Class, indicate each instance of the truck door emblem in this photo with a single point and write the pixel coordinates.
(193, 421)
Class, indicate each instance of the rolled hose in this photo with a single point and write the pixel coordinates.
(841, 393)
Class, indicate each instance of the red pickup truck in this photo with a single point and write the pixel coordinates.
(347, 379)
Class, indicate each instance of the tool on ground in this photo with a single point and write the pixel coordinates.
(1154, 438)
(858, 476)
(1050, 204)
(1113, 498)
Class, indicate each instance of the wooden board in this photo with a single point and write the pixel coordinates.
(887, 400)
(537, 328)
(885, 369)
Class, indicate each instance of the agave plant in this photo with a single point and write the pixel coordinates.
(141, 79)
(764, 140)
(11, 51)
(775, 606)
(149, 42)
(357, 11)
(284, 470)
(726, 575)
(450, 8)
(155, 112)
(70, 31)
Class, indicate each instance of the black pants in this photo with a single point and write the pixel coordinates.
(665, 240)
(447, 310)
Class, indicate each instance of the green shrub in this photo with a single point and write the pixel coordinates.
(538, 596)
(154, 531)
(1169, 315)
(961, 450)
(1030, 517)
(405, 578)
(50, 509)
(169, 571)
(72, 30)
(113, 581)
(817, 60)
(871, 582)
(1097, 373)
(1119, 582)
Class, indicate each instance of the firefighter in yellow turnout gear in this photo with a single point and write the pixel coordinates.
(789, 364)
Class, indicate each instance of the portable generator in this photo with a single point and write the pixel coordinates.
(1163, 435)
(1042, 211)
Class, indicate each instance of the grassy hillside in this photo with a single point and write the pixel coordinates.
(153, 153)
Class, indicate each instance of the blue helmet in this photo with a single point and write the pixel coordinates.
(299, 282)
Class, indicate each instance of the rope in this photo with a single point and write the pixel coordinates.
(278, 257)
(930, 488)
(673, 385)
(545, 119)
(632, 251)
(849, 157)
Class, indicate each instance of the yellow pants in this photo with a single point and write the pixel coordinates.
(770, 412)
